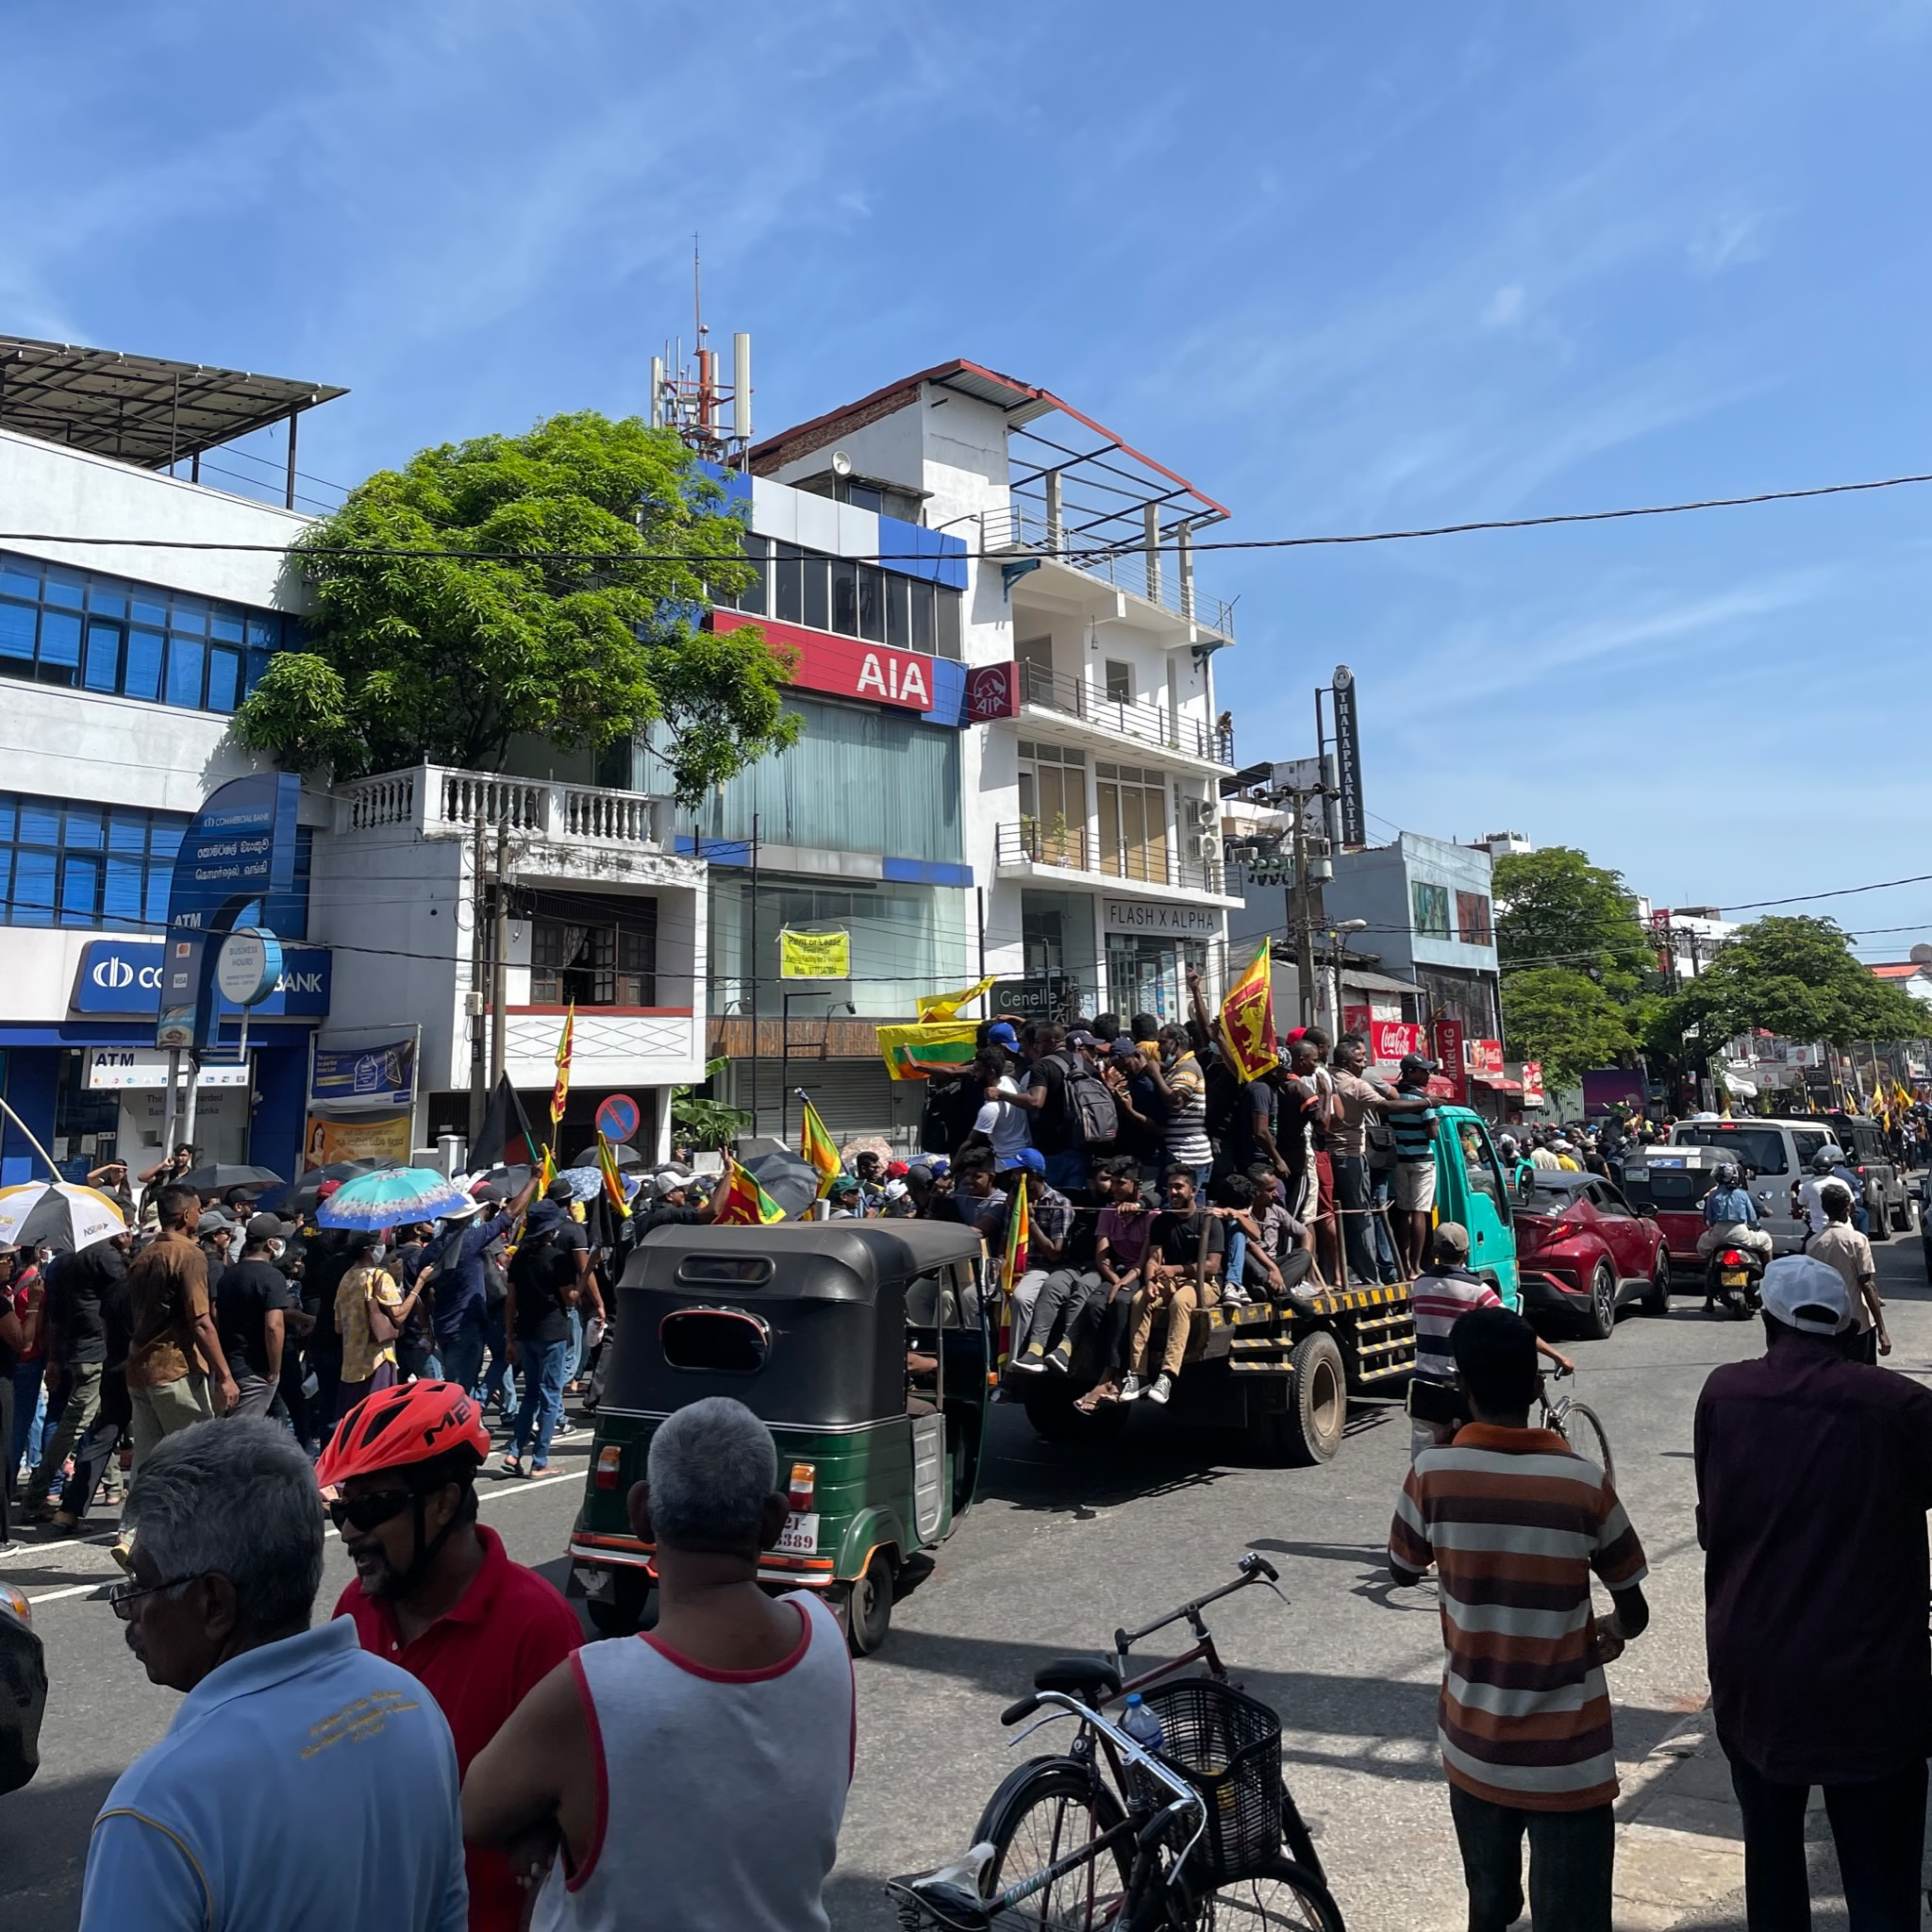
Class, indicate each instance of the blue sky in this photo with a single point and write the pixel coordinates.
(1348, 268)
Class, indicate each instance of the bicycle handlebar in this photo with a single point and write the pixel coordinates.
(1129, 1749)
(1255, 1568)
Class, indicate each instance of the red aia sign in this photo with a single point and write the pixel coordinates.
(846, 667)
(992, 691)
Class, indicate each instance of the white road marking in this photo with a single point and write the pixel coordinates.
(48, 1596)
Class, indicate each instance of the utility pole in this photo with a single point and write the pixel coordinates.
(499, 953)
(477, 1053)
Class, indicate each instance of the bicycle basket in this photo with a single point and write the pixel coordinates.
(1227, 1745)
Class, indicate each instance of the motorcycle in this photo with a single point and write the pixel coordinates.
(1731, 1276)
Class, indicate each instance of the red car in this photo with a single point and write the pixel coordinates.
(1581, 1246)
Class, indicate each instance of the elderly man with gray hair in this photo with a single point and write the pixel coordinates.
(303, 1783)
(696, 1776)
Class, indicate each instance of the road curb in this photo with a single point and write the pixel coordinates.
(1680, 1743)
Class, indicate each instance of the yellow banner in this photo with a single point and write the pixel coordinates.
(385, 1137)
(814, 955)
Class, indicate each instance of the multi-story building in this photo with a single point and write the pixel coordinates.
(1012, 750)
(122, 659)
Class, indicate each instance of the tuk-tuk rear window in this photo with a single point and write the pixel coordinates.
(739, 1271)
(1678, 1187)
(716, 1342)
(1762, 1148)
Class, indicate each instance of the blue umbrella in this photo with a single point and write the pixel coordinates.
(389, 1199)
(585, 1183)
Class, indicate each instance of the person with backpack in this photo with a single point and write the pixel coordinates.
(1073, 1116)
(544, 1279)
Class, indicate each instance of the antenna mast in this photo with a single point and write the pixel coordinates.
(690, 398)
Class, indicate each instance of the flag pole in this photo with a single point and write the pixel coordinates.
(30, 1141)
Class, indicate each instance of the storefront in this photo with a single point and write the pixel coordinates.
(91, 1086)
(1150, 945)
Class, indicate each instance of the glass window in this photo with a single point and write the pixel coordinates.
(60, 646)
(224, 675)
(1472, 919)
(39, 825)
(80, 890)
(149, 609)
(189, 614)
(845, 597)
(752, 597)
(185, 672)
(815, 574)
(1761, 1149)
(20, 578)
(949, 624)
(64, 588)
(143, 677)
(788, 585)
(83, 829)
(898, 593)
(85, 865)
(103, 669)
(106, 599)
(226, 624)
(1120, 683)
(257, 663)
(31, 902)
(872, 604)
(264, 633)
(121, 900)
(924, 627)
(16, 621)
(1431, 907)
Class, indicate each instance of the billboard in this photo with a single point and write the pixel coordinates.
(1348, 758)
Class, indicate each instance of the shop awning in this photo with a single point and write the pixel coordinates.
(1497, 1083)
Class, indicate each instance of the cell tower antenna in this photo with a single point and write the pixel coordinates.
(697, 292)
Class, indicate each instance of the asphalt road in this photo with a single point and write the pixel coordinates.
(1064, 1546)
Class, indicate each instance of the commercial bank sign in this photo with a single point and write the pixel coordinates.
(123, 976)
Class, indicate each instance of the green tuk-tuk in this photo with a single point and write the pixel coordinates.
(861, 1344)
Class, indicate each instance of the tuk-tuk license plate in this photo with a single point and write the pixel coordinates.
(1731, 1278)
(800, 1536)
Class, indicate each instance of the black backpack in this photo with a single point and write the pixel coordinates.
(531, 1269)
(1092, 1119)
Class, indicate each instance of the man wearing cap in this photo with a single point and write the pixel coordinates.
(251, 1301)
(1814, 1474)
(460, 1296)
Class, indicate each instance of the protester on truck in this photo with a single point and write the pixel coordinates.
(1180, 1273)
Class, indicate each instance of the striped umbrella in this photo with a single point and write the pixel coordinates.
(390, 1199)
(57, 1214)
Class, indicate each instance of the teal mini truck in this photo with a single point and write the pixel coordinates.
(863, 1346)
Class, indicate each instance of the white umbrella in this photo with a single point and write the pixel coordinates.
(57, 1214)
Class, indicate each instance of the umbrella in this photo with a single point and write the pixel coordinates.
(302, 1195)
(585, 1183)
(865, 1144)
(626, 1156)
(57, 1214)
(389, 1199)
(220, 1176)
(499, 1183)
(789, 1181)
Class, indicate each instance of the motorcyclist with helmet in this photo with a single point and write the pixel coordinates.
(1730, 1220)
(1830, 1168)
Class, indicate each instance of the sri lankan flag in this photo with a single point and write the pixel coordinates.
(560, 1092)
(546, 1173)
(613, 1184)
(1019, 1232)
(815, 1145)
(1247, 1020)
(741, 1202)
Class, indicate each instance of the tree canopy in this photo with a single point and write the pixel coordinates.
(1794, 975)
(1565, 1019)
(568, 612)
(1553, 908)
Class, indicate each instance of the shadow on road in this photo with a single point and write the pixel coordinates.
(43, 1834)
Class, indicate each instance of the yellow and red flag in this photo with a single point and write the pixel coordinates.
(1019, 1232)
(560, 1092)
(1247, 1020)
(613, 1183)
(741, 1202)
(546, 1173)
(816, 1145)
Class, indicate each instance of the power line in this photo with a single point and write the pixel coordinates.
(1839, 893)
(1064, 553)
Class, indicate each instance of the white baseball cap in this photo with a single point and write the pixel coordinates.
(1807, 1294)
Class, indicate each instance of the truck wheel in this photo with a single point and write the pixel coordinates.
(866, 1612)
(1054, 1417)
(1318, 1399)
(631, 1606)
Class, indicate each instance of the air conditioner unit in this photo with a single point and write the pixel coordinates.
(1206, 847)
(1200, 813)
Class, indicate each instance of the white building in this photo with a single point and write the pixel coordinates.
(1071, 660)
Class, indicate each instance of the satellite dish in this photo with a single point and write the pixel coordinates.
(1921, 956)
(842, 464)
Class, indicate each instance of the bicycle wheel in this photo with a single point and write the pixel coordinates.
(1283, 1895)
(1583, 1432)
(1044, 1810)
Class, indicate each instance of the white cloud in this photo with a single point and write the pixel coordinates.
(1506, 307)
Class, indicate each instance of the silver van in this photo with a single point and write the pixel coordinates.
(1776, 1155)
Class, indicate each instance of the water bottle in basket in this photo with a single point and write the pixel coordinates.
(1141, 1725)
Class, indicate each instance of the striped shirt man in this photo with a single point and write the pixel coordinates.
(1515, 1522)
(1440, 1298)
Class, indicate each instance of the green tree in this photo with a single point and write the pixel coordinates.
(1566, 1020)
(709, 1125)
(1553, 908)
(567, 612)
(1794, 975)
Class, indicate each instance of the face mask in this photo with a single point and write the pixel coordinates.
(378, 1251)
(274, 1250)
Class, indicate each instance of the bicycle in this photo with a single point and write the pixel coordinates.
(1111, 1835)
(1578, 1423)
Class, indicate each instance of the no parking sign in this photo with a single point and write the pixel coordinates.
(619, 1118)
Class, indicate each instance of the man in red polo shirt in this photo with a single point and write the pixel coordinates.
(434, 1590)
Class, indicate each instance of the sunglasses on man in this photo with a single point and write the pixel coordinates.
(366, 1512)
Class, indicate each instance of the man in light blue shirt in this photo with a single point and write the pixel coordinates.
(304, 1784)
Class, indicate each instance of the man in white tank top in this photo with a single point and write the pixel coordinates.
(694, 1776)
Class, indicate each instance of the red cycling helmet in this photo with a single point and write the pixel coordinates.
(414, 1422)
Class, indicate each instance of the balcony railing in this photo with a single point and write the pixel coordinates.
(1159, 577)
(1152, 724)
(1068, 848)
(440, 801)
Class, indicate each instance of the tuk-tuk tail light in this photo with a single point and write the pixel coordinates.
(802, 1485)
(609, 1466)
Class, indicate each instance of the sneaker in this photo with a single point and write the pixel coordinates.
(1062, 1358)
(13, 1549)
(1235, 1297)
(1133, 1388)
(121, 1550)
(1162, 1389)
(562, 1431)
(1032, 1361)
